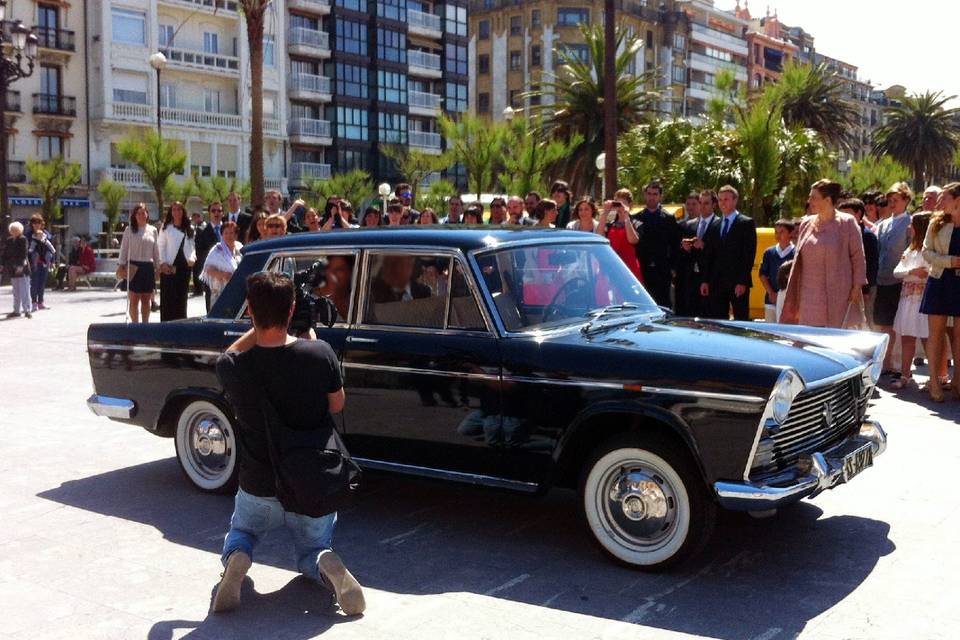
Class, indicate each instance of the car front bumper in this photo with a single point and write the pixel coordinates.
(815, 472)
(111, 407)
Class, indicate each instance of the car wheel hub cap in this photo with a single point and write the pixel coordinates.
(640, 505)
(210, 446)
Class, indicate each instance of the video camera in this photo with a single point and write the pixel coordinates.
(311, 309)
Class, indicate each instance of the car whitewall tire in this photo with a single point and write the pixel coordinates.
(206, 446)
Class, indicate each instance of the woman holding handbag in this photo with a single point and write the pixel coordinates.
(829, 269)
(16, 266)
(177, 255)
(139, 255)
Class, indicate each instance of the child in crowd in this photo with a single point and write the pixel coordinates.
(909, 324)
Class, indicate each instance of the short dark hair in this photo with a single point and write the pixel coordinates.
(712, 194)
(785, 223)
(828, 189)
(561, 186)
(729, 188)
(535, 194)
(498, 202)
(403, 186)
(229, 224)
(653, 184)
(853, 203)
(542, 207)
(693, 195)
(270, 296)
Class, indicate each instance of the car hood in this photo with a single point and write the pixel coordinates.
(814, 353)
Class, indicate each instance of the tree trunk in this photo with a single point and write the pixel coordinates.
(159, 194)
(609, 97)
(255, 43)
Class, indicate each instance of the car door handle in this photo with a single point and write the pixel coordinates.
(235, 334)
(362, 340)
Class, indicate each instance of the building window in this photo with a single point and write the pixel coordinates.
(536, 19)
(515, 100)
(516, 25)
(483, 64)
(166, 35)
(353, 5)
(391, 86)
(168, 96)
(572, 17)
(348, 159)
(352, 124)
(391, 45)
(483, 103)
(351, 37)
(392, 9)
(393, 127)
(456, 97)
(535, 55)
(577, 52)
(649, 39)
(679, 41)
(456, 59)
(456, 20)
(679, 74)
(483, 30)
(269, 50)
(211, 42)
(129, 96)
(534, 95)
(514, 61)
(50, 86)
(352, 80)
(49, 147)
(201, 170)
(129, 27)
(211, 101)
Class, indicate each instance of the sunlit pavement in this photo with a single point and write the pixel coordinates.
(103, 537)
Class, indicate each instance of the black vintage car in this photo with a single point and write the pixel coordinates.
(526, 359)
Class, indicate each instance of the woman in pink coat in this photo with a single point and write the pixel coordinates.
(829, 268)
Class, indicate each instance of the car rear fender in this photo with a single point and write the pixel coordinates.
(175, 401)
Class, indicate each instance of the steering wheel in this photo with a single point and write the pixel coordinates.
(554, 309)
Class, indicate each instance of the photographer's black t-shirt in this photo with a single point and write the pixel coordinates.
(296, 378)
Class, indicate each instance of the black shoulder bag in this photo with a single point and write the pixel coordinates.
(313, 472)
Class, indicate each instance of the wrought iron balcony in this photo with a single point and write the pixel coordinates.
(16, 171)
(59, 39)
(54, 104)
(12, 102)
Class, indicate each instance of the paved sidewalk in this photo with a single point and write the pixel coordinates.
(103, 538)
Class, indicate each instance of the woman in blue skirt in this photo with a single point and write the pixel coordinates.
(941, 297)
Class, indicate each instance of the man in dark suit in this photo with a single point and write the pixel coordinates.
(395, 283)
(692, 231)
(659, 245)
(207, 239)
(196, 221)
(235, 213)
(730, 248)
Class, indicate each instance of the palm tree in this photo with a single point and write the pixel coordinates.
(253, 12)
(920, 134)
(52, 178)
(812, 97)
(113, 194)
(577, 92)
(157, 158)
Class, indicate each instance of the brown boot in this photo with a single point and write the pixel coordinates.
(227, 597)
(345, 587)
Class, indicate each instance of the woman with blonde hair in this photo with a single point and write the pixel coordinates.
(941, 298)
(829, 269)
(139, 257)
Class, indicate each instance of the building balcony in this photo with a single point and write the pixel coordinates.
(701, 90)
(275, 184)
(16, 172)
(300, 172)
(714, 38)
(701, 62)
(308, 42)
(57, 39)
(306, 86)
(424, 104)
(425, 141)
(310, 132)
(316, 7)
(131, 178)
(196, 60)
(424, 24)
(422, 63)
(220, 7)
(12, 102)
(199, 119)
(51, 104)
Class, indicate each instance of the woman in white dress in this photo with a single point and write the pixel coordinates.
(222, 261)
(909, 323)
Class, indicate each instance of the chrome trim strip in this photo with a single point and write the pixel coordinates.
(843, 375)
(712, 395)
(443, 474)
(619, 384)
(486, 377)
(111, 407)
(100, 346)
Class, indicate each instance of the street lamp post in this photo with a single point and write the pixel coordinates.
(601, 165)
(19, 64)
(158, 61)
(384, 191)
(508, 113)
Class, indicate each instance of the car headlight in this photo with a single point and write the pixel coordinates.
(876, 364)
(788, 386)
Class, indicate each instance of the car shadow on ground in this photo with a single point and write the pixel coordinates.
(411, 536)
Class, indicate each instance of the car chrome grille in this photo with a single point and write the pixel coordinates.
(820, 419)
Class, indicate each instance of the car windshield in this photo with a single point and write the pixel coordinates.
(548, 286)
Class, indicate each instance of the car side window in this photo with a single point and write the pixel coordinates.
(464, 312)
(326, 274)
(407, 290)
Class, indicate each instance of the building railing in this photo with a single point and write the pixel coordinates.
(423, 100)
(320, 6)
(199, 59)
(423, 20)
(191, 118)
(54, 104)
(300, 171)
(731, 41)
(270, 126)
(213, 5)
(720, 64)
(309, 82)
(50, 38)
(16, 171)
(130, 111)
(309, 128)
(703, 86)
(129, 177)
(424, 139)
(11, 104)
(423, 59)
(310, 37)
(273, 184)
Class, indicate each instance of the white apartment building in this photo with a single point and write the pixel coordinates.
(204, 90)
(45, 113)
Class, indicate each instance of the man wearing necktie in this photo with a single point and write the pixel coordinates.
(730, 247)
(692, 231)
(235, 213)
(207, 239)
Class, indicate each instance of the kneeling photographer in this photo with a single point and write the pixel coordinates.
(293, 468)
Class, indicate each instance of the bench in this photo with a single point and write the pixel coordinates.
(105, 271)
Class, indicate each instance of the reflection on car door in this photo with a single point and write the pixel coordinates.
(422, 367)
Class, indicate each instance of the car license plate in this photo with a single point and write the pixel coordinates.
(857, 461)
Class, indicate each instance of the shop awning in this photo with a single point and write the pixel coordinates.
(75, 203)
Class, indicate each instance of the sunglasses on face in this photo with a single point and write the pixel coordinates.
(406, 194)
(216, 210)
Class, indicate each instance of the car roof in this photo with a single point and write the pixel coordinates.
(463, 237)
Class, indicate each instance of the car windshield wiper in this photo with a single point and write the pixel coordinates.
(610, 308)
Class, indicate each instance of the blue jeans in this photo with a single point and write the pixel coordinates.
(38, 282)
(21, 293)
(254, 516)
